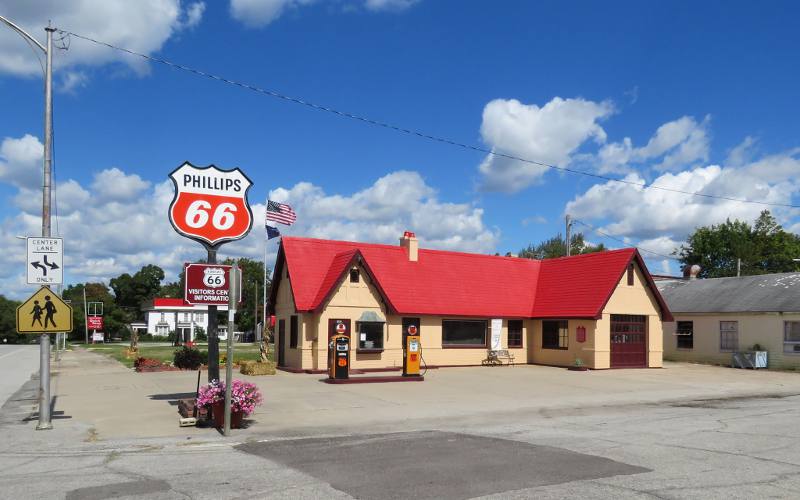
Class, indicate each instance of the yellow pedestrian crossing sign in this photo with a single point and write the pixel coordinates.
(44, 312)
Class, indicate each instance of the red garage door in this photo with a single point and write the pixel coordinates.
(628, 341)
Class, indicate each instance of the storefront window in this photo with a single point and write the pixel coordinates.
(555, 334)
(791, 337)
(370, 335)
(515, 333)
(466, 333)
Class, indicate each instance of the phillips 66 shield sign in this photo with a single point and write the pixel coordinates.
(210, 204)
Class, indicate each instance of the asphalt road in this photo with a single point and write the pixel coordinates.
(17, 364)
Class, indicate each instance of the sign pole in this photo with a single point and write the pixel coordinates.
(213, 336)
(44, 340)
(233, 294)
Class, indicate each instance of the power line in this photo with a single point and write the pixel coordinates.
(423, 135)
(671, 257)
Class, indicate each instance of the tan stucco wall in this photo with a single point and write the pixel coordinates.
(765, 329)
(631, 299)
(565, 357)
(351, 299)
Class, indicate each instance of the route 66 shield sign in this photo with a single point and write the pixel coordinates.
(210, 204)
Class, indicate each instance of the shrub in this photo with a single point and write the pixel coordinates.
(188, 358)
(148, 365)
(257, 368)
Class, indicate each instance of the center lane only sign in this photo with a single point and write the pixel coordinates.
(210, 204)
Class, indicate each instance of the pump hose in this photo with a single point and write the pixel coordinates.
(424, 364)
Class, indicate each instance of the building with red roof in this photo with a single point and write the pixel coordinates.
(165, 315)
(602, 309)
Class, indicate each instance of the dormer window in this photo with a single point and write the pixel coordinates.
(354, 275)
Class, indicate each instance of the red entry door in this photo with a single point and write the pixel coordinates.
(335, 329)
(628, 341)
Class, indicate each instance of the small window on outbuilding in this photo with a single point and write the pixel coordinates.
(630, 274)
(354, 275)
(685, 334)
(791, 337)
(293, 332)
(555, 334)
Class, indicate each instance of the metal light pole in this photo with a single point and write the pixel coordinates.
(234, 285)
(44, 340)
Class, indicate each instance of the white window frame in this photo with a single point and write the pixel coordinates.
(793, 344)
(727, 332)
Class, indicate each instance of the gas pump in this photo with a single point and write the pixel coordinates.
(339, 362)
(412, 352)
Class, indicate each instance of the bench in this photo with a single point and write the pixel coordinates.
(497, 357)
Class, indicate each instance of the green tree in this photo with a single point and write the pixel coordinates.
(252, 289)
(555, 247)
(131, 291)
(115, 318)
(763, 248)
(8, 321)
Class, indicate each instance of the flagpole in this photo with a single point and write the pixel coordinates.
(264, 302)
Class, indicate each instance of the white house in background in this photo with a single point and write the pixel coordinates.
(164, 315)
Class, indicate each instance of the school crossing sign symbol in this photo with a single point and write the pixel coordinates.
(44, 312)
(210, 204)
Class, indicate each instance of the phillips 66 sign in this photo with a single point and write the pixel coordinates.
(210, 204)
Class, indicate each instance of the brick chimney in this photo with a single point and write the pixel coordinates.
(411, 244)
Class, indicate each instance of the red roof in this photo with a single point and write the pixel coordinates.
(168, 302)
(456, 283)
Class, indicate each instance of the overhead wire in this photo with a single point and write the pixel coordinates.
(601, 233)
(417, 133)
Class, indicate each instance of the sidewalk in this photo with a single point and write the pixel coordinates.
(114, 401)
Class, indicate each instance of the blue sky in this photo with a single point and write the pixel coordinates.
(695, 97)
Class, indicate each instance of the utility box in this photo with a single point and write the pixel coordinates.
(750, 359)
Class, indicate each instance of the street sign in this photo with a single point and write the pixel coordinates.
(210, 204)
(45, 260)
(207, 284)
(44, 312)
(94, 322)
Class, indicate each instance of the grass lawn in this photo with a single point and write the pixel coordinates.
(164, 353)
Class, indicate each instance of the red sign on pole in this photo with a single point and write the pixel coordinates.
(207, 284)
(210, 204)
(94, 322)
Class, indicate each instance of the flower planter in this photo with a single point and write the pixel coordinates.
(578, 368)
(218, 412)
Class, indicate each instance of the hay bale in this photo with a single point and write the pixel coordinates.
(257, 368)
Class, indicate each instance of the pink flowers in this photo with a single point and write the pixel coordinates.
(245, 396)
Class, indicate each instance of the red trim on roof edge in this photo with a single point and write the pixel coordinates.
(666, 314)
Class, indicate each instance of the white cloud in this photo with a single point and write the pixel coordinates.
(389, 4)
(115, 185)
(396, 202)
(549, 134)
(679, 144)
(118, 223)
(259, 13)
(141, 25)
(660, 219)
(72, 80)
(742, 153)
(21, 161)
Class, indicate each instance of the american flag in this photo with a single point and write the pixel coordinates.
(281, 213)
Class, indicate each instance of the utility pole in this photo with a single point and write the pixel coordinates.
(85, 316)
(568, 239)
(44, 339)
